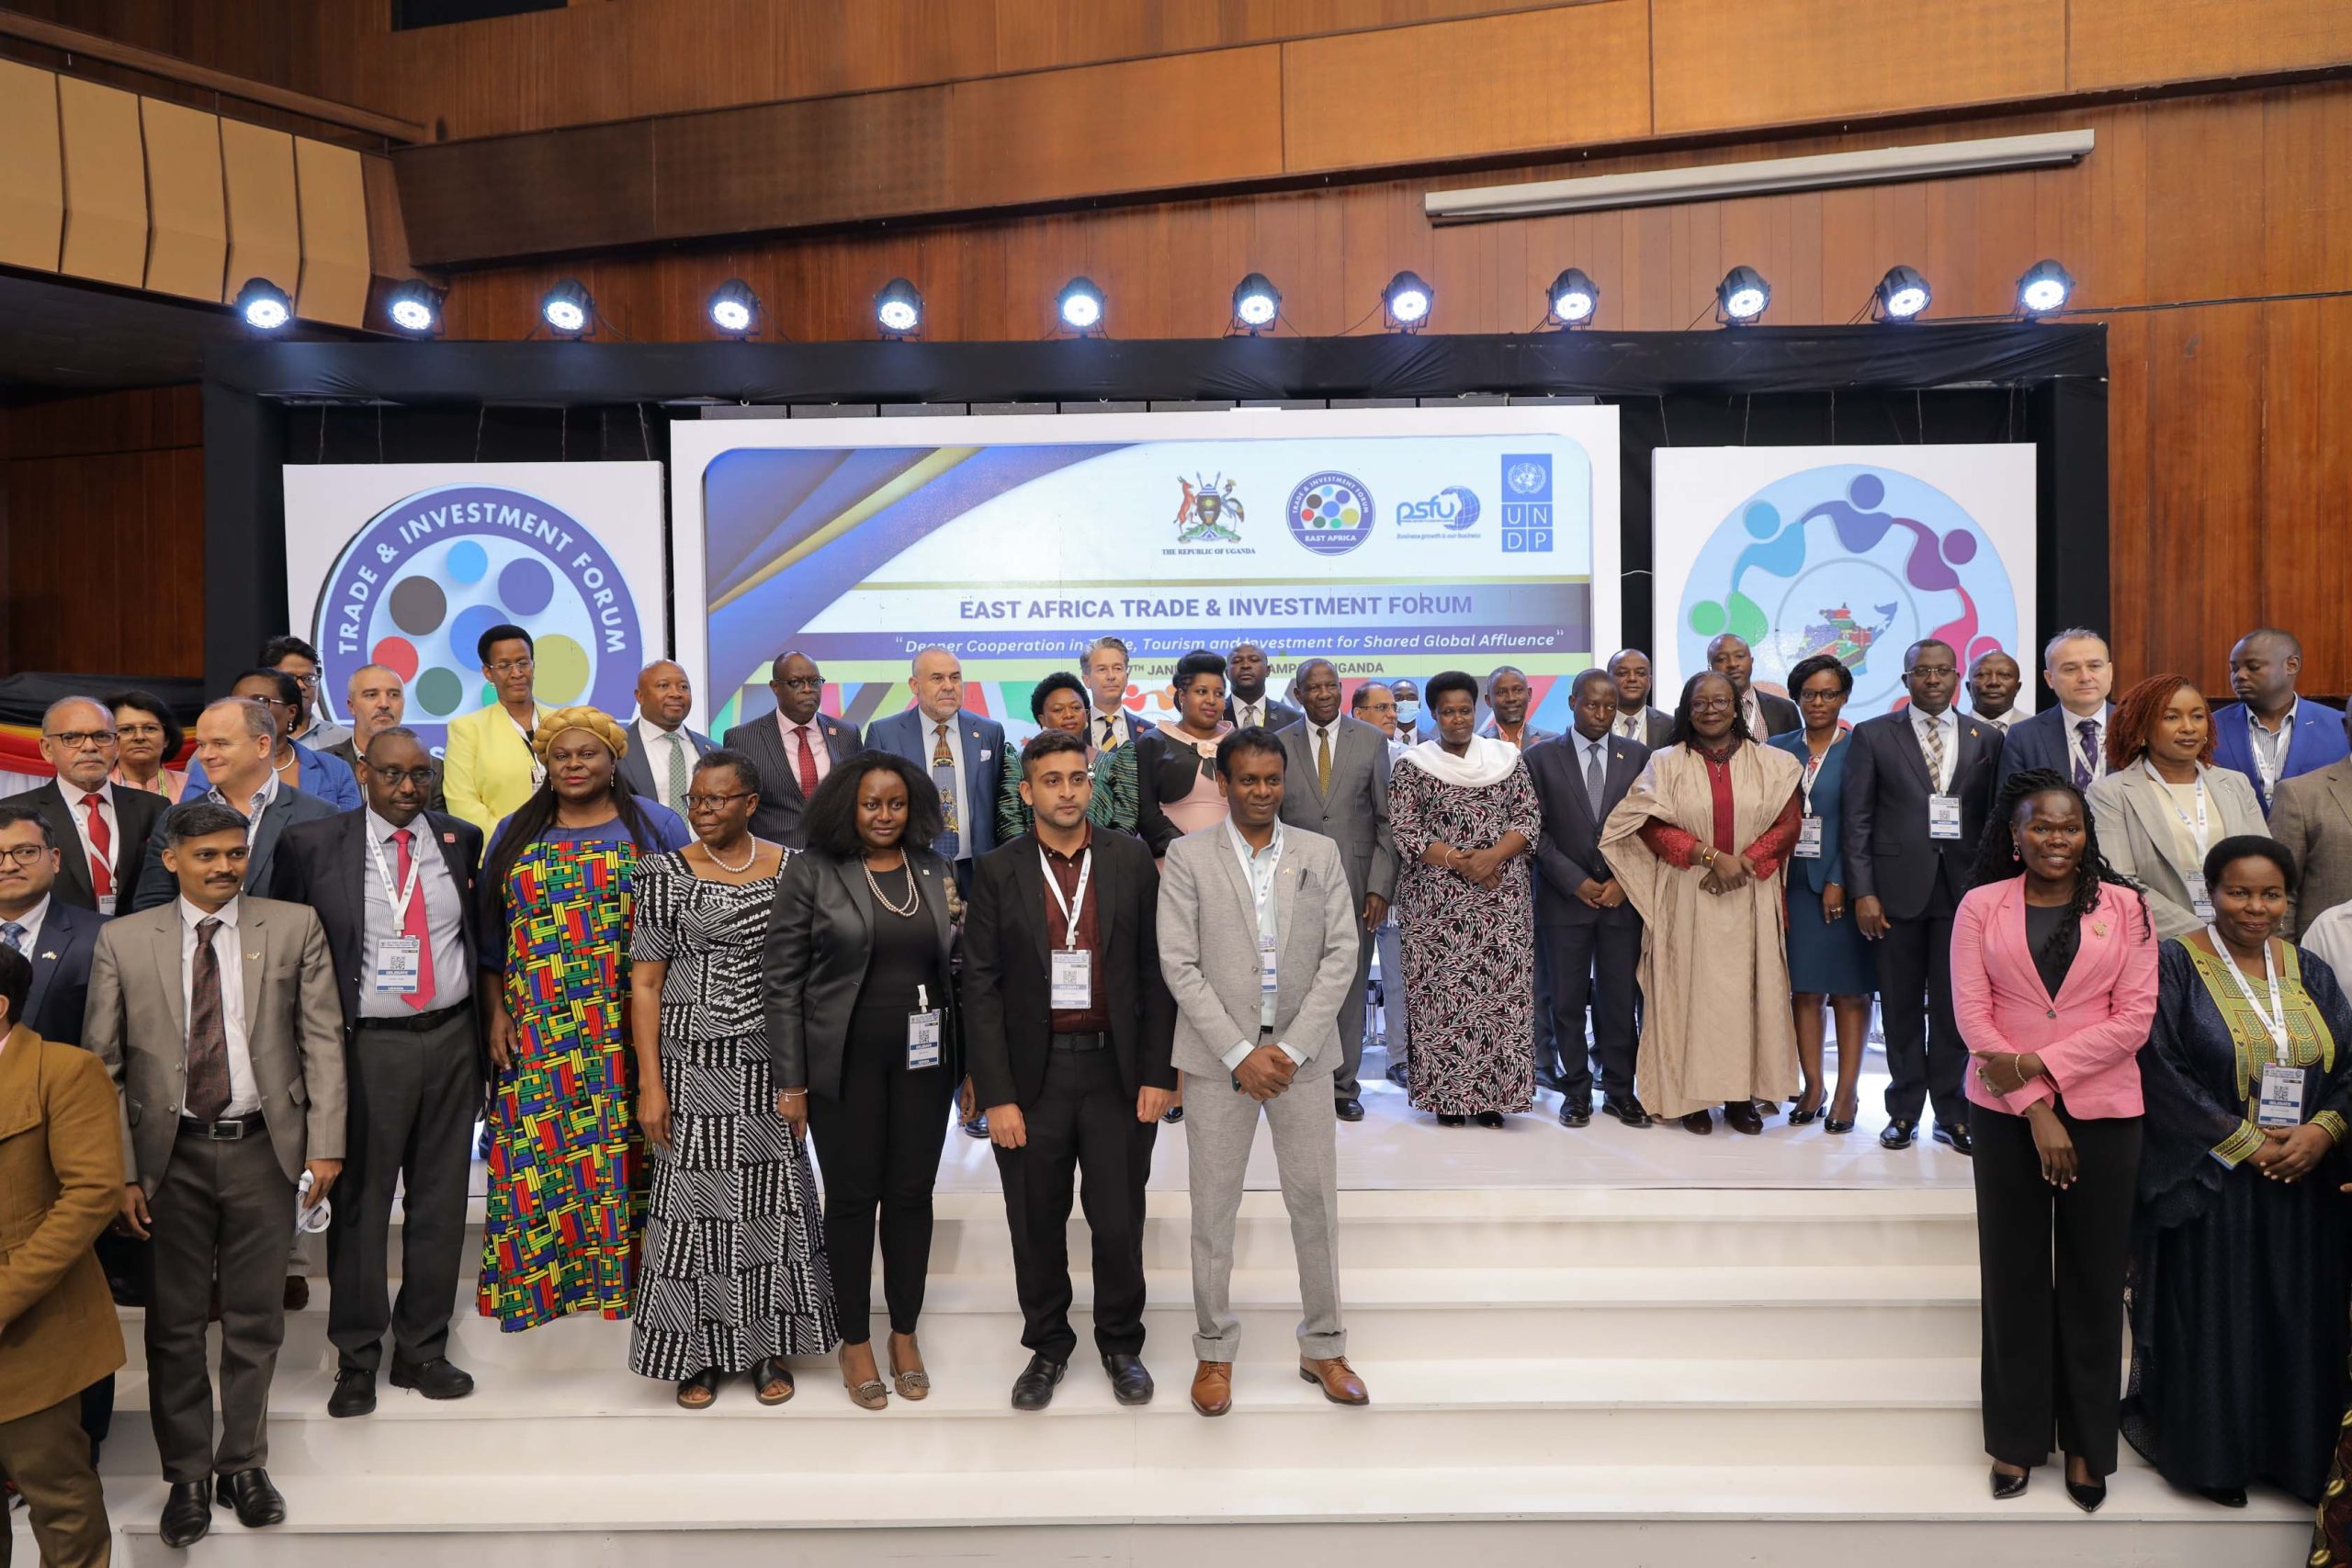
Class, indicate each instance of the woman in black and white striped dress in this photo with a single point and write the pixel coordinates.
(733, 1276)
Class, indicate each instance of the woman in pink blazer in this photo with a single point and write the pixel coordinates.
(2053, 979)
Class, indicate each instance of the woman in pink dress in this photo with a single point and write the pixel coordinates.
(1176, 783)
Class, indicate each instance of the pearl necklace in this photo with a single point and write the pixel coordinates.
(747, 859)
(915, 893)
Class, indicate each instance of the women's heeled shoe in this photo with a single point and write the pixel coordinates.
(2087, 1495)
(2007, 1486)
(2228, 1496)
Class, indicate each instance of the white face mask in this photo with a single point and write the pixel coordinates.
(1407, 712)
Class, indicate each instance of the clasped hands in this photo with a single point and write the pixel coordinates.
(1597, 895)
(1728, 873)
(1008, 1129)
(2289, 1154)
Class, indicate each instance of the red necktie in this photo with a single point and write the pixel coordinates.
(101, 850)
(413, 925)
(807, 767)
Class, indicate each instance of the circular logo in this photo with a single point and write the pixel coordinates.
(1466, 507)
(1855, 562)
(1526, 478)
(416, 588)
(1330, 512)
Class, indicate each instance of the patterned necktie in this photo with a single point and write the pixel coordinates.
(2086, 755)
(13, 935)
(101, 849)
(1322, 760)
(1249, 715)
(942, 771)
(1935, 749)
(1595, 772)
(208, 1032)
(807, 766)
(1109, 736)
(677, 801)
(413, 924)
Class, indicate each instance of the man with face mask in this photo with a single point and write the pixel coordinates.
(1407, 698)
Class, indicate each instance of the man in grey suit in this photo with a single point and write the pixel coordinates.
(1341, 768)
(235, 738)
(2311, 815)
(793, 749)
(376, 699)
(962, 751)
(217, 1016)
(660, 761)
(1258, 940)
(1635, 720)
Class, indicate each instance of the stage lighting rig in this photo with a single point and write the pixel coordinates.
(1901, 295)
(898, 309)
(2044, 287)
(1078, 306)
(1407, 299)
(262, 306)
(567, 309)
(1741, 297)
(416, 308)
(1257, 304)
(734, 308)
(1572, 299)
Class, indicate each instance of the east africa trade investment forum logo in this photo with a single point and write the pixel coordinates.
(1851, 561)
(417, 587)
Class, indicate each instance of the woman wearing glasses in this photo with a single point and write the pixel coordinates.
(733, 1276)
(150, 740)
(489, 769)
(292, 656)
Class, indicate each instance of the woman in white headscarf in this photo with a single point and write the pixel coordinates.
(1465, 818)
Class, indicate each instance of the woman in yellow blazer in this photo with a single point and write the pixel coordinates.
(489, 768)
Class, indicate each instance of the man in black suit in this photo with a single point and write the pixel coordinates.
(1070, 1026)
(1588, 938)
(1109, 725)
(102, 832)
(1919, 787)
(235, 738)
(1247, 702)
(2069, 739)
(1767, 715)
(794, 749)
(660, 761)
(1635, 720)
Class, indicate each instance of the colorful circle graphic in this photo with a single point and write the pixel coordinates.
(1330, 512)
(1853, 561)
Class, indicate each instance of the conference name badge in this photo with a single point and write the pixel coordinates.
(2200, 899)
(397, 965)
(1073, 977)
(1943, 817)
(922, 1033)
(1266, 981)
(2281, 1104)
(1809, 839)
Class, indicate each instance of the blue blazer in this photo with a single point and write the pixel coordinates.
(907, 734)
(60, 962)
(2317, 741)
(329, 778)
(2042, 741)
(1829, 803)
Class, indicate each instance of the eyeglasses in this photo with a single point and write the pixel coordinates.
(421, 777)
(75, 740)
(139, 732)
(714, 802)
(24, 854)
(512, 666)
(801, 683)
(310, 681)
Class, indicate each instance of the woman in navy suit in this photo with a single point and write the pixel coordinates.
(1826, 954)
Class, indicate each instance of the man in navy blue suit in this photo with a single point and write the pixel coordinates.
(1104, 668)
(2269, 733)
(2069, 739)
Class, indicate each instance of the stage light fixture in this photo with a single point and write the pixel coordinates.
(1901, 295)
(1741, 297)
(2044, 287)
(733, 307)
(898, 309)
(262, 306)
(1256, 303)
(1080, 306)
(568, 308)
(1407, 301)
(416, 308)
(1572, 299)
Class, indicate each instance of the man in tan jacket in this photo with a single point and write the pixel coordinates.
(217, 1014)
(61, 1182)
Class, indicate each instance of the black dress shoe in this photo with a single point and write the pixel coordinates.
(1130, 1383)
(2007, 1486)
(2088, 1496)
(1899, 1134)
(187, 1513)
(1487, 1119)
(1699, 1121)
(977, 1127)
(1445, 1121)
(2228, 1496)
(1743, 1118)
(1575, 1115)
(1034, 1389)
(1175, 1114)
(435, 1379)
(1397, 1075)
(1630, 1111)
(258, 1504)
(355, 1393)
(1348, 1110)
(1955, 1138)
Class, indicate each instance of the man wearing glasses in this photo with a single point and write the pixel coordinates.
(489, 769)
(300, 659)
(794, 748)
(377, 700)
(101, 830)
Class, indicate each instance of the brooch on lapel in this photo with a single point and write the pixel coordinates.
(449, 838)
(48, 957)
(253, 957)
(2098, 927)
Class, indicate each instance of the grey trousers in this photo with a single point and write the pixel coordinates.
(1220, 1123)
(1390, 941)
(1351, 1011)
(225, 1207)
(415, 1095)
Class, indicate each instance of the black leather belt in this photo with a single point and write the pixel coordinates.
(230, 1130)
(1080, 1042)
(420, 1022)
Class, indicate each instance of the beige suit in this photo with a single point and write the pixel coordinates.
(2134, 816)
(2311, 815)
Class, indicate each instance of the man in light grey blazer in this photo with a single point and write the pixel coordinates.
(2311, 815)
(1340, 768)
(218, 1016)
(1257, 943)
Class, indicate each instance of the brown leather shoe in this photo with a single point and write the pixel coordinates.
(1338, 1380)
(1213, 1387)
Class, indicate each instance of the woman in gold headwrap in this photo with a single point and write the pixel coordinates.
(567, 1170)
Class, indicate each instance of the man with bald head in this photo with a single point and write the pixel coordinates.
(2270, 733)
(1730, 657)
(1994, 682)
(1636, 718)
(102, 832)
(793, 749)
(235, 738)
(661, 752)
(376, 698)
(1247, 701)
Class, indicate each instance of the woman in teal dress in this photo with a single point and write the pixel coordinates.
(1059, 702)
(568, 1166)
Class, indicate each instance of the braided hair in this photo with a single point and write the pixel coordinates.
(1997, 856)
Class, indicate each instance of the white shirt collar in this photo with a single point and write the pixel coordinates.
(1948, 718)
(380, 827)
(1241, 845)
(191, 917)
(2286, 724)
(31, 920)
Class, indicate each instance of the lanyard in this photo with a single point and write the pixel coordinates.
(2204, 833)
(400, 895)
(1812, 772)
(2267, 763)
(2274, 1023)
(1070, 909)
(1261, 883)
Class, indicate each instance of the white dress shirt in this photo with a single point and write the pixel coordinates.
(245, 1097)
(105, 791)
(963, 785)
(30, 921)
(2330, 936)
(655, 742)
(2002, 721)
(444, 922)
(1259, 868)
(1948, 723)
(1246, 714)
(817, 748)
(2070, 722)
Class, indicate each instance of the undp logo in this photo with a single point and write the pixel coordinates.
(417, 587)
(1330, 512)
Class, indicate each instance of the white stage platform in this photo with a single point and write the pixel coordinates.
(1643, 1347)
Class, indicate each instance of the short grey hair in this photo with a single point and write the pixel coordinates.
(916, 662)
(1086, 659)
(259, 720)
(352, 685)
(2072, 634)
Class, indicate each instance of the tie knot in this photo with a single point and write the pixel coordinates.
(93, 798)
(205, 927)
(401, 836)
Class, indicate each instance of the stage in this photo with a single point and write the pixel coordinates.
(1676, 1351)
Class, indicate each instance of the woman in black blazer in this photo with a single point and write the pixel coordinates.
(1176, 788)
(861, 1038)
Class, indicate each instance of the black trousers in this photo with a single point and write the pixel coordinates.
(2052, 1265)
(1082, 1130)
(414, 1095)
(877, 1147)
(1592, 966)
(1925, 1055)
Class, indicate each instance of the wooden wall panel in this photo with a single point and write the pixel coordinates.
(32, 176)
(333, 210)
(1727, 63)
(106, 185)
(1535, 81)
(264, 209)
(731, 173)
(2123, 43)
(187, 241)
